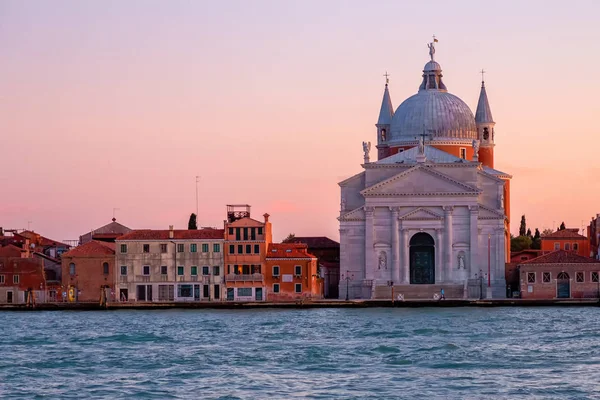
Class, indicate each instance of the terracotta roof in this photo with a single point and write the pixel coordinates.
(40, 240)
(90, 249)
(565, 234)
(316, 242)
(561, 257)
(178, 234)
(288, 250)
(10, 251)
(526, 251)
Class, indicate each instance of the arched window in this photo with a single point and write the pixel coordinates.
(105, 268)
(72, 269)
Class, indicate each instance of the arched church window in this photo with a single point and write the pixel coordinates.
(486, 133)
(383, 135)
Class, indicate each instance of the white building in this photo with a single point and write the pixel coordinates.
(170, 265)
(431, 213)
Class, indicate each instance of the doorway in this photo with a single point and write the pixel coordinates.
(422, 259)
(563, 286)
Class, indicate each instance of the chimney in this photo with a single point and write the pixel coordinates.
(266, 217)
(171, 233)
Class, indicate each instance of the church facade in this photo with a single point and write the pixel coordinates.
(431, 212)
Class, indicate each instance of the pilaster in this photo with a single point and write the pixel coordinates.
(369, 249)
(447, 267)
(405, 257)
(395, 273)
(473, 266)
(439, 274)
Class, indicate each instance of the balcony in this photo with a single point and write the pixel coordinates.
(123, 278)
(194, 278)
(245, 278)
(142, 278)
(164, 278)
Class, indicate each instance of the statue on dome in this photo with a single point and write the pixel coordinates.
(366, 150)
(422, 144)
(475, 146)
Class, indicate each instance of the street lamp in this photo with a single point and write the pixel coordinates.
(348, 278)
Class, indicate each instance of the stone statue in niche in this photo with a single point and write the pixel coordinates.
(382, 260)
(343, 204)
(502, 199)
(461, 261)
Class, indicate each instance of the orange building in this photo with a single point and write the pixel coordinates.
(291, 273)
(246, 244)
(89, 269)
(568, 240)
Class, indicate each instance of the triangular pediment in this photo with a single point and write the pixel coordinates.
(357, 214)
(420, 181)
(421, 214)
(488, 213)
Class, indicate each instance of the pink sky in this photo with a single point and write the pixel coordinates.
(121, 104)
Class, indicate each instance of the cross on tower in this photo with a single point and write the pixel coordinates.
(386, 77)
(482, 72)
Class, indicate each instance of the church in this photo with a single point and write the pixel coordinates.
(431, 214)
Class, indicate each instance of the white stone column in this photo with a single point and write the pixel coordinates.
(447, 267)
(395, 273)
(439, 273)
(474, 266)
(405, 257)
(369, 251)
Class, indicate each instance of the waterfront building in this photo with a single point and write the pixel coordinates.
(327, 252)
(88, 272)
(20, 276)
(170, 265)
(567, 240)
(107, 233)
(431, 212)
(560, 275)
(291, 273)
(593, 233)
(246, 244)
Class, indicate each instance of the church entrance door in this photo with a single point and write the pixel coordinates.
(563, 286)
(422, 259)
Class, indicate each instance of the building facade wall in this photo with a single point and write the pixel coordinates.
(89, 277)
(287, 285)
(579, 246)
(540, 288)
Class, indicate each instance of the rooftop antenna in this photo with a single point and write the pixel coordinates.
(197, 180)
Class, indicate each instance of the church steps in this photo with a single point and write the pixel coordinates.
(421, 292)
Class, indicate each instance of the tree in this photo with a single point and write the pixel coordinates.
(192, 222)
(520, 243)
(289, 238)
(547, 232)
(523, 227)
(537, 240)
(562, 226)
(528, 232)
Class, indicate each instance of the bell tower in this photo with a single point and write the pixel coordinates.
(485, 127)
(384, 122)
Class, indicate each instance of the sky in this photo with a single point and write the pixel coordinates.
(120, 105)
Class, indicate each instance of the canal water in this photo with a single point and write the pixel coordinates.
(459, 353)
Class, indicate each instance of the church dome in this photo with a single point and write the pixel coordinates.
(432, 111)
(436, 113)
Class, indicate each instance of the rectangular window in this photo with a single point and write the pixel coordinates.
(237, 269)
(166, 292)
(298, 270)
(256, 269)
(205, 291)
(245, 233)
(231, 231)
(1, 278)
(240, 249)
(193, 248)
(71, 269)
(463, 153)
(15, 278)
(248, 249)
(244, 292)
(180, 270)
(185, 291)
(595, 277)
(123, 269)
(260, 230)
(105, 268)
(245, 269)
(531, 277)
(298, 288)
(123, 248)
(276, 288)
(163, 270)
(205, 247)
(163, 248)
(205, 270)
(546, 277)
(256, 248)
(579, 277)
(238, 234)
(567, 246)
(216, 270)
(194, 270)
(575, 247)
(231, 249)
(556, 246)
(180, 247)
(252, 233)
(216, 248)
(146, 270)
(275, 270)
(146, 248)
